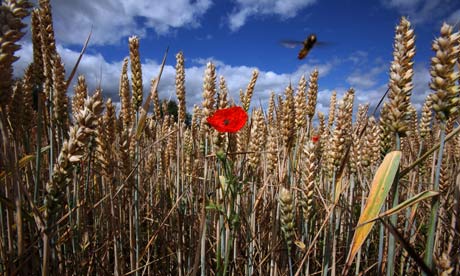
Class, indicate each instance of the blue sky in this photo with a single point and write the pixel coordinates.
(242, 35)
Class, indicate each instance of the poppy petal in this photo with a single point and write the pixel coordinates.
(228, 119)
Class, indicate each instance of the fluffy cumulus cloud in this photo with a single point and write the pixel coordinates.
(96, 69)
(421, 11)
(111, 20)
(366, 79)
(99, 71)
(373, 94)
(421, 82)
(247, 8)
(369, 89)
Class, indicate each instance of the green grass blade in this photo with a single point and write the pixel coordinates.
(403, 205)
(410, 250)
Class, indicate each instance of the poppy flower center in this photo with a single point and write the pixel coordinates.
(226, 122)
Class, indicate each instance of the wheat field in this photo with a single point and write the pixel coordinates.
(154, 189)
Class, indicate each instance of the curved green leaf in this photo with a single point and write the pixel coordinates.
(403, 205)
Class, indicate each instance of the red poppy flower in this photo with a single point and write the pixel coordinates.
(315, 138)
(228, 119)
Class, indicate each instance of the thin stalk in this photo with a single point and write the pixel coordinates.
(71, 220)
(116, 270)
(290, 261)
(203, 234)
(429, 249)
(6, 148)
(219, 243)
(131, 230)
(221, 234)
(351, 198)
(136, 198)
(76, 196)
(228, 253)
(305, 236)
(393, 218)
(203, 247)
(179, 190)
(46, 254)
(358, 258)
(409, 223)
(17, 182)
(251, 233)
(336, 235)
(275, 215)
(230, 197)
(329, 233)
(51, 136)
(2, 242)
(38, 156)
(45, 236)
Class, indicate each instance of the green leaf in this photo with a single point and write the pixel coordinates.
(215, 206)
(23, 162)
(403, 205)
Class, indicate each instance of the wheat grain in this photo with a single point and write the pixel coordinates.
(11, 15)
(180, 87)
(300, 100)
(28, 113)
(80, 94)
(60, 101)
(288, 117)
(308, 179)
(136, 72)
(332, 107)
(446, 97)
(125, 97)
(209, 93)
(287, 215)
(37, 65)
(257, 140)
(401, 72)
(246, 99)
(223, 94)
(48, 44)
(312, 94)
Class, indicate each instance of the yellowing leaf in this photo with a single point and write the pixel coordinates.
(300, 245)
(23, 162)
(379, 190)
(223, 182)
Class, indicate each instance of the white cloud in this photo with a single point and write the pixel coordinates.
(454, 18)
(204, 61)
(366, 79)
(360, 81)
(421, 11)
(94, 67)
(407, 4)
(247, 8)
(366, 72)
(358, 57)
(421, 82)
(421, 89)
(98, 70)
(114, 19)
